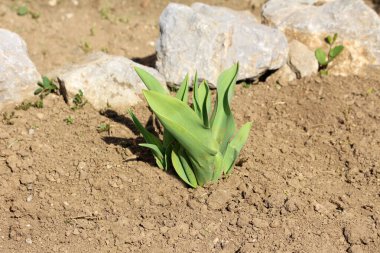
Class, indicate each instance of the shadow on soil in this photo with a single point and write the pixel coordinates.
(131, 143)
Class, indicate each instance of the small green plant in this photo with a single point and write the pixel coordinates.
(22, 10)
(39, 103)
(45, 87)
(325, 59)
(105, 13)
(201, 144)
(69, 120)
(79, 101)
(86, 47)
(103, 127)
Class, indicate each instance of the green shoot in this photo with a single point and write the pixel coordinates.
(22, 10)
(103, 127)
(79, 101)
(325, 59)
(69, 120)
(200, 143)
(45, 87)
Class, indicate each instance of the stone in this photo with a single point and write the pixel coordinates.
(357, 233)
(355, 249)
(259, 223)
(302, 60)
(310, 21)
(218, 199)
(28, 179)
(18, 74)
(106, 80)
(283, 76)
(210, 39)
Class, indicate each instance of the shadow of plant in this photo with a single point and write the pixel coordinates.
(142, 154)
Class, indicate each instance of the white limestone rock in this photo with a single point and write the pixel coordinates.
(302, 60)
(18, 74)
(106, 80)
(210, 39)
(310, 21)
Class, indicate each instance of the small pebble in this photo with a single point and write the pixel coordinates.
(29, 198)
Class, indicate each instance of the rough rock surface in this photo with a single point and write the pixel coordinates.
(302, 60)
(210, 39)
(310, 21)
(106, 80)
(18, 75)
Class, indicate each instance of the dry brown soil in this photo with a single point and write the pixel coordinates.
(308, 179)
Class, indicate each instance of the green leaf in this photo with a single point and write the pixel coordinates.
(336, 51)
(46, 82)
(168, 156)
(218, 167)
(186, 166)
(22, 10)
(186, 127)
(222, 122)
(321, 57)
(178, 167)
(149, 137)
(150, 81)
(156, 153)
(329, 40)
(182, 123)
(335, 37)
(38, 91)
(183, 91)
(204, 100)
(196, 105)
(234, 148)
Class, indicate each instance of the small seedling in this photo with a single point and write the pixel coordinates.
(45, 87)
(246, 85)
(86, 47)
(105, 50)
(105, 13)
(34, 15)
(39, 103)
(22, 10)
(103, 127)
(69, 120)
(325, 59)
(79, 101)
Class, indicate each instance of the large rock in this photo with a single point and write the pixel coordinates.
(310, 21)
(106, 80)
(18, 75)
(210, 39)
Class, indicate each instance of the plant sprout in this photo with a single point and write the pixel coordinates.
(325, 59)
(199, 142)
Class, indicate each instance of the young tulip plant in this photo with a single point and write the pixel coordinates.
(201, 144)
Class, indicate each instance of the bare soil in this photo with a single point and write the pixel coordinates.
(308, 179)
